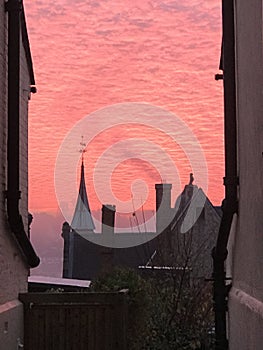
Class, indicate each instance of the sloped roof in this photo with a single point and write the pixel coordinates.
(188, 201)
(82, 219)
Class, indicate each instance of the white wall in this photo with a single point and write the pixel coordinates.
(246, 297)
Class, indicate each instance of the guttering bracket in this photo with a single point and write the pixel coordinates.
(9, 195)
(228, 287)
(231, 180)
(219, 76)
(33, 89)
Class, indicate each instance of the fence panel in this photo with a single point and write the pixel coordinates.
(75, 321)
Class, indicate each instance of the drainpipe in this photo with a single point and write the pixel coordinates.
(230, 204)
(14, 8)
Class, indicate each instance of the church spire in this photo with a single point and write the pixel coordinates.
(82, 219)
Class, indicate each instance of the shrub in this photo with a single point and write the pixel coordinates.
(164, 313)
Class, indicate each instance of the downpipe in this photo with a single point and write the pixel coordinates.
(230, 203)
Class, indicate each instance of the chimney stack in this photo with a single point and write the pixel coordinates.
(108, 218)
(163, 206)
(107, 228)
(66, 236)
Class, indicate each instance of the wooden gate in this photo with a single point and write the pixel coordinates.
(75, 321)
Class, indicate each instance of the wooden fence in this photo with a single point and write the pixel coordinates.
(75, 321)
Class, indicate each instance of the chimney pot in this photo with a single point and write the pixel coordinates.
(108, 218)
(163, 206)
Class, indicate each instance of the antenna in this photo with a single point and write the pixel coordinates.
(82, 149)
(135, 216)
(131, 225)
(143, 216)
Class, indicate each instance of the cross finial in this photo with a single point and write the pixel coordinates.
(82, 148)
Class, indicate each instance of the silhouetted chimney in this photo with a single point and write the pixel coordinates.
(66, 236)
(163, 206)
(108, 218)
(107, 228)
(163, 221)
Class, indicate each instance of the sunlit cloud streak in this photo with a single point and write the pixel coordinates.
(91, 54)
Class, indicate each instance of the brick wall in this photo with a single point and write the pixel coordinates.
(13, 271)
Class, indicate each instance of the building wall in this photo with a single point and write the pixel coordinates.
(205, 233)
(24, 100)
(196, 244)
(13, 271)
(246, 296)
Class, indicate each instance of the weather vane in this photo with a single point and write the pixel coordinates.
(82, 148)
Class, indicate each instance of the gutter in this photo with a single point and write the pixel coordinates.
(230, 203)
(13, 194)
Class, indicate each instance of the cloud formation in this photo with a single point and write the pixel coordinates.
(90, 54)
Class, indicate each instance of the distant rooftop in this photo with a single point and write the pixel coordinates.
(58, 281)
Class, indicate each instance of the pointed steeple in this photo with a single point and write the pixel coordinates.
(82, 219)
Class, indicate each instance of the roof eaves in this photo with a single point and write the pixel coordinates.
(211, 204)
(25, 41)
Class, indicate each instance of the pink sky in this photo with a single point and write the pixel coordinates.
(91, 54)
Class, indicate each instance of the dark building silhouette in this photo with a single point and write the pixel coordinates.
(84, 259)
